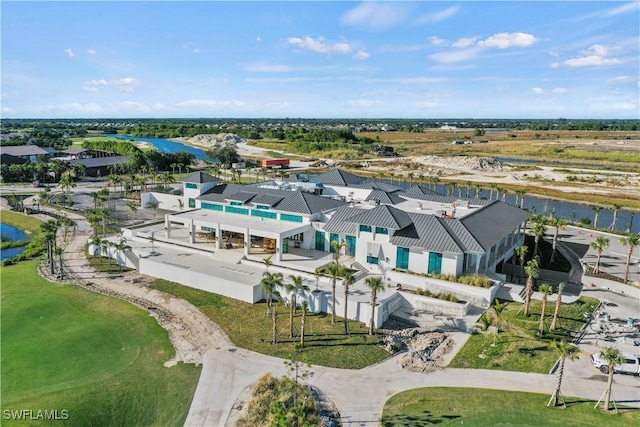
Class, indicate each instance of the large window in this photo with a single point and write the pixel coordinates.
(292, 218)
(236, 210)
(381, 230)
(334, 238)
(372, 259)
(211, 206)
(191, 185)
(192, 202)
(319, 240)
(263, 214)
(402, 258)
(264, 207)
(366, 228)
(435, 263)
(236, 203)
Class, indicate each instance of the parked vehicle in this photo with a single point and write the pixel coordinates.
(273, 163)
(631, 364)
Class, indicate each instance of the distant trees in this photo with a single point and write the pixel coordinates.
(225, 154)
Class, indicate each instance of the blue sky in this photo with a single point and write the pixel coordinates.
(329, 59)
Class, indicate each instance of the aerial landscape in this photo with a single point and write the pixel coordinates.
(320, 213)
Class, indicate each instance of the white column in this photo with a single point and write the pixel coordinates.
(247, 242)
(218, 237)
(192, 233)
(167, 225)
(278, 249)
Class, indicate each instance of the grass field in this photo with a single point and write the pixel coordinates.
(518, 347)
(247, 327)
(478, 407)
(99, 358)
(29, 224)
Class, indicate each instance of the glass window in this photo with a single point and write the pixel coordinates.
(381, 230)
(333, 238)
(366, 228)
(211, 206)
(236, 203)
(192, 203)
(236, 210)
(265, 207)
(372, 259)
(191, 185)
(263, 214)
(292, 218)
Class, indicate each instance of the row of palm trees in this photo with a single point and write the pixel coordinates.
(102, 247)
(631, 241)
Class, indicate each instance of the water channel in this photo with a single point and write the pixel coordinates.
(11, 233)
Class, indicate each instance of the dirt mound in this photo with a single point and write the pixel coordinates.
(424, 347)
(221, 139)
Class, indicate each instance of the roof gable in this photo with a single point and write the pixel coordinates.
(491, 223)
(338, 177)
(383, 216)
(200, 178)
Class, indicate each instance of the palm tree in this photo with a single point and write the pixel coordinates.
(122, 246)
(533, 270)
(153, 240)
(334, 271)
(50, 230)
(153, 205)
(538, 229)
(600, 244)
(295, 288)
(66, 183)
(558, 224)
(173, 168)
(347, 281)
(134, 208)
(167, 179)
(270, 283)
(521, 252)
(521, 193)
(376, 285)
(545, 290)
(564, 351)
(304, 306)
(267, 262)
(613, 357)
(498, 308)
(556, 311)
(616, 208)
(631, 240)
(485, 323)
(274, 329)
(336, 247)
(597, 210)
(59, 251)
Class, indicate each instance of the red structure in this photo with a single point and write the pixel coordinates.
(272, 163)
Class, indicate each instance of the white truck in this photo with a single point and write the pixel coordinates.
(630, 365)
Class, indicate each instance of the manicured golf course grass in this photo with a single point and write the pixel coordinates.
(478, 407)
(99, 358)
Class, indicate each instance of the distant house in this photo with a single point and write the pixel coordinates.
(30, 153)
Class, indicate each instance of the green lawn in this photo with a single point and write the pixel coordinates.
(99, 358)
(247, 327)
(518, 347)
(23, 222)
(478, 407)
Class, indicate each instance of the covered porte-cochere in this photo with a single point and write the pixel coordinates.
(222, 230)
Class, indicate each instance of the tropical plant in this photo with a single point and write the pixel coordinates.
(545, 290)
(267, 262)
(303, 321)
(270, 283)
(484, 322)
(600, 244)
(154, 204)
(274, 327)
(613, 357)
(558, 224)
(122, 246)
(348, 280)
(538, 229)
(556, 311)
(533, 270)
(521, 252)
(616, 208)
(336, 247)
(294, 289)
(631, 240)
(50, 230)
(564, 351)
(597, 210)
(60, 252)
(334, 271)
(134, 208)
(376, 284)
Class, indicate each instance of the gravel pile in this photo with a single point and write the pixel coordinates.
(474, 163)
(424, 348)
(221, 139)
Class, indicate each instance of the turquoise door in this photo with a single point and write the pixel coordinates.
(351, 245)
(319, 240)
(334, 238)
(402, 258)
(435, 263)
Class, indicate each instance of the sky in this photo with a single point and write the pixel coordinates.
(320, 59)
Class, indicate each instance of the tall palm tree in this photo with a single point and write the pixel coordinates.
(484, 322)
(274, 328)
(270, 283)
(538, 229)
(122, 246)
(631, 240)
(294, 289)
(600, 244)
(376, 284)
(521, 252)
(303, 321)
(597, 210)
(154, 204)
(347, 281)
(533, 270)
(556, 311)
(336, 247)
(59, 252)
(521, 192)
(334, 271)
(267, 262)
(564, 351)
(50, 230)
(616, 208)
(545, 290)
(559, 224)
(613, 357)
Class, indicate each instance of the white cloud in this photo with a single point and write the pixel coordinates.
(560, 90)
(74, 108)
(361, 55)
(127, 84)
(375, 16)
(196, 50)
(132, 106)
(537, 90)
(91, 51)
(437, 41)
(507, 40)
(596, 55)
(464, 42)
(69, 53)
(626, 8)
(554, 65)
(6, 110)
(93, 85)
(319, 45)
(362, 103)
(208, 104)
(258, 39)
(400, 48)
(438, 16)
(457, 55)
(619, 79)
(158, 106)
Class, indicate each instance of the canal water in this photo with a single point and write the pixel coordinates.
(165, 145)
(10, 233)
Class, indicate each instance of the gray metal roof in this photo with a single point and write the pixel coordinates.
(422, 193)
(99, 162)
(290, 201)
(463, 237)
(338, 223)
(382, 216)
(267, 200)
(421, 190)
(200, 178)
(492, 222)
(74, 150)
(384, 197)
(338, 177)
(378, 185)
(427, 232)
(23, 150)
